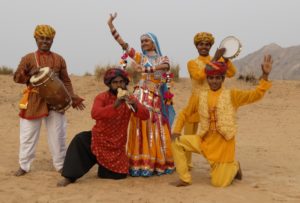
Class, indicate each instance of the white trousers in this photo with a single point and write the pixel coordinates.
(56, 134)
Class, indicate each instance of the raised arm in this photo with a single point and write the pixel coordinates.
(115, 33)
(243, 97)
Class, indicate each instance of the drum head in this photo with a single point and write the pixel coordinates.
(41, 74)
(232, 46)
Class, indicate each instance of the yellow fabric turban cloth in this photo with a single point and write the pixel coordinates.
(204, 36)
(44, 31)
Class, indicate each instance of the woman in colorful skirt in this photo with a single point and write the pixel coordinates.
(149, 143)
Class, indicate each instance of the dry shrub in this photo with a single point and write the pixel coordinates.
(134, 76)
(87, 74)
(241, 77)
(175, 69)
(249, 77)
(100, 71)
(4, 70)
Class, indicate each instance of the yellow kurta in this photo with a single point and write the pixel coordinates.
(196, 68)
(219, 152)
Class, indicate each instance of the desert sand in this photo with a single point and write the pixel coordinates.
(268, 148)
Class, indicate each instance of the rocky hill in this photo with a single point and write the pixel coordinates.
(286, 62)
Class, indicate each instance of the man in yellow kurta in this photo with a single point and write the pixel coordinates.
(203, 42)
(215, 139)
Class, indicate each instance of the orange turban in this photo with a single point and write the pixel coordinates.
(204, 36)
(44, 31)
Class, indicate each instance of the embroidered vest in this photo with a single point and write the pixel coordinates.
(225, 115)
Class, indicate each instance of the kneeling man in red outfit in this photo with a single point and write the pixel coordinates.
(105, 145)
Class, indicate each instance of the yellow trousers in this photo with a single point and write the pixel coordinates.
(190, 129)
(222, 174)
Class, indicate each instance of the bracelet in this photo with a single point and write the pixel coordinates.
(124, 46)
(113, 31)
(116, 36)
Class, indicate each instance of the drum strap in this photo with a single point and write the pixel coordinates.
(24, 100)
(36, 61)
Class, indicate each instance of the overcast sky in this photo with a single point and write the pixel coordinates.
(84, 40)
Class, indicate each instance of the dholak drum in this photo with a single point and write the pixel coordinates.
(232, 45)
(51, 88)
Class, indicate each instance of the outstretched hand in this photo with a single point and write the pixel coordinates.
(111, 18)
(77, 103)
(266, 66)
(80, 106)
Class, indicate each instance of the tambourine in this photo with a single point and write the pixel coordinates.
(232, 45)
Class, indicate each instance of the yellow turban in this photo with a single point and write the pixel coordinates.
(44, 31)
(204, 36)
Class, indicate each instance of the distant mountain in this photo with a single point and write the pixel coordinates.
(286, 62)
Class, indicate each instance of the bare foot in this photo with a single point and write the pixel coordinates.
(20, 172)
(239, 174)
(64, 182)
(181, 183)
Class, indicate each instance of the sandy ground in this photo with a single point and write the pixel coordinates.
(268, 147)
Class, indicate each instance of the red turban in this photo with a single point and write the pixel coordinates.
(112, 73)
(216, 68)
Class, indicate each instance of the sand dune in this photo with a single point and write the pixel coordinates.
(268, 147)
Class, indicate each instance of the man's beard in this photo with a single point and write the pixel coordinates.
(113, 91)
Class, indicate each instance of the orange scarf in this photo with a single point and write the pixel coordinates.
(24, 100)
